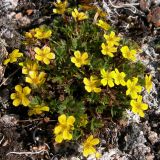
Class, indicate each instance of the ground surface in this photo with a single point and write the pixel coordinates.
(31, 139)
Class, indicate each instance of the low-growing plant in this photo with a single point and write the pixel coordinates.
(82, 69)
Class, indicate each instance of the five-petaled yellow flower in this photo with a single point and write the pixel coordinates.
(43, 32)
(107, 78)
(138, 106)
(103, 25)
(89, 146)
(13, 57)
(28, 66)
(44, 54)
(148, 83)
(37, 109)
(79, 16)
(80, 59)
(91, 85)
(35, 78)
(63, 129)
(112, 39)
(60, 7)
(20, 96)
(133, 88)
(119, 77)
(128, 54)
(30, 34)
(101, 13)
(108, 49)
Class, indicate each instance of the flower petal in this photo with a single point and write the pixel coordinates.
(25, 101)
(59, 138)
(46, 50)
(73, 60)
(94, 141)
(38, 50)
(13, 96)
(46, 61)
(24, 70)
(38, 57)
(18, 88)
(67, 135)
(134, 109)
(97, 90)
(141, 113)
(33, 74)
(70, 120)
(51, 55)
(85, 55)
(89, 139)
(86, 81)
(86, 152)
(88, 88)
(77, 54)
(28, 80)
(26, 90)
(104, 82)
(17, 102)
(6, 61)
(45, 108)
(144, 106)
(58, 129)
(124, 49)
(62, 119)
(110, 83)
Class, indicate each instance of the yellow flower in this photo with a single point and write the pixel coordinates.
(133, 88)
(138, 106)
(108, 49)
(28, 66)
(101, 13)
(91, 84)
(128, 54)
(107, 78)
(112, 39)
(43, 32)
(83, 120)
(148, 83)
(13, 57)
(119, 77)
(35, 78)
(37, 110)
(20, 96)
(60, 7)
(103, 25)
(79, 16)
(89, 146)
(30, 34)
(63, 129)
(44, 54)
(80, 59)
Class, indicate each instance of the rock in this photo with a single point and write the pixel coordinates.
(9, 120)
(140, 152)
(9, 4)
(156, 2)
(153, 137)
(154, 16)
(134, 142)
(144, 5)
(114, 154)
